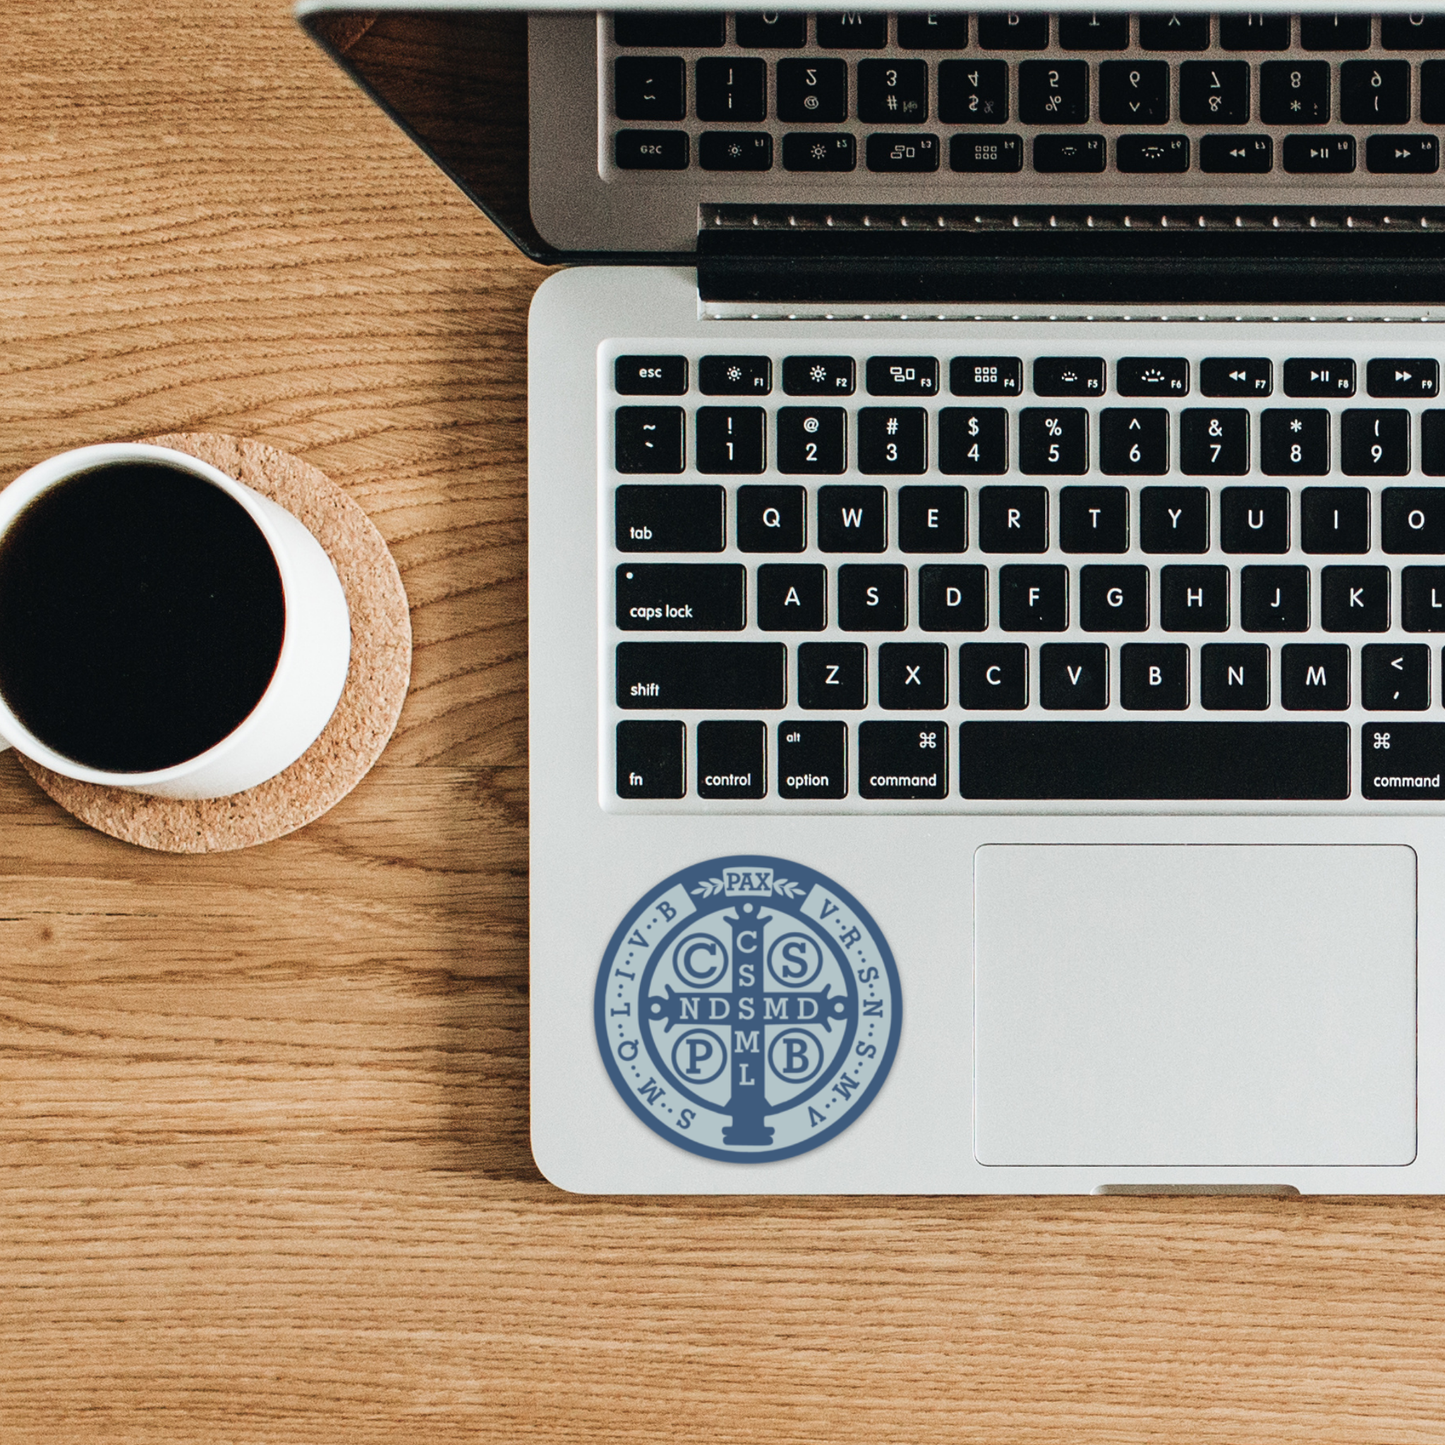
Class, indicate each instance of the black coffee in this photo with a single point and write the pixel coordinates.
(141, 616)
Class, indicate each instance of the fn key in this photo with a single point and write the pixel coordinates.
(650, 759)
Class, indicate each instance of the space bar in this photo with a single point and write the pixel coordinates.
(1154, 760)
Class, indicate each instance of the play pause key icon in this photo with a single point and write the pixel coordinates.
(1403, 376)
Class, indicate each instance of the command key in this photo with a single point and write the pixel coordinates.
(1402, 760)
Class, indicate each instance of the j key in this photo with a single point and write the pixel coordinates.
(735, 375)
(792, 597)
(903, 759)
(892, 439)
(908, 153)
(1236, 155)
(985, 376)
(1063, 154)
(731, 90)
(1154, 676)
(1134, 442)
(735, 150)
(1152, 155)
(1335, 520)
(1314, 677)
(650, 375)
(1236, 376)
(893, 92)
(1375, 92)
(1094, 519)
(1194, 599)
(1319, 376)
(675, 29)
(1254, 519)
(1053, 92)
(812, 439)
(1074, 675)
(1274, 599)
(731, 759)
(819, 151)
(669, 518)
(852, 30)
(818, 375)
(1375, 443)
(1174, 519)
(912, 676)
(1234, 676)
(1396, 677)
(1294, 443)
(1151, 376)
(1069, 376)
(649, 87)
(1432, 443)
(1113, 599)
(832, 675)
(1214, 92)
(973, 441)
(1033, 598)
(1422, 599)
(676, 597)
(986, 152)
(731, 439)
(650, 150)
(852, 519)
(771, 519)
(1091, 30)
(932, 30)
(993, 676)
(872, 598)
(772, 30)
(650, 758)
(717, 676)
(1319, 154)
(1173, 31)
(813, 90)
(1334, 32)
(954, 598)
(1413, 519)
(1412, 32)
(1054, 440)
(901, 376)
(1013, 519)
(1402, 376)
(1294, 92)
(932, 519)
(1013, 30)
(649, 439)
(812, 758)
(1214, 442)
(1355, 599)
(1133, 92)
(973, 92)
(1254, 32)
(1402, 154)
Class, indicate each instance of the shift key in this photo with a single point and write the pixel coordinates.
(718, 676)
(681, 597)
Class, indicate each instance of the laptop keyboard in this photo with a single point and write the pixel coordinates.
(838, 576)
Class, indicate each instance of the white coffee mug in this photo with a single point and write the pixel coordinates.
(310, 669)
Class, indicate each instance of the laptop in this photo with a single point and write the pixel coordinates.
(987, 577)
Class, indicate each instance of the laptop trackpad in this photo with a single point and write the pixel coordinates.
(1194, 1005)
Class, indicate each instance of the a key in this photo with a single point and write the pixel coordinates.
(1314, 677)
(649, 87)
(1134, 442)
(903, 154)
(932, 30)
(681, 597)
(651, 150)
(668, 517)
(986, 152)
(932, 519)
(650, 758)
(993, 676)
(812, 439)
(650, 375)
(1174, 519)
(1114, 599)
(771, 519)
(1375, 92)
(852, 519)
(1395, 676)
(1335, 519)
(985, 376)
(832, 676)
(1094, 519)
(1074, 675)
(1254, 519)
(872, 597)
(1154, 676)
(819, 151)
(731, 439)
(1236, 155)
(893, 92)
(1214, 441)
(812, 90)
(1411, 155)
(1033, 598)
(973, 441)
(771, 30)
(1236, 376)
(1214, 92)
(819, 375)
(1294, 442)
(1355, 599)
(1173, 30)
(953, 598)
(735, 150)
(1274, 599)
(903, 760)
(1375, 443)
(851, 30)
(732, 759)
(1334, 32)
(1151, 376)
(1013, 30)
(892, 439)
(731, 90)
(1194, 599)
(1294, 92)
(812, 758)
(1332, 155)
(912, 676)
(1065, 154)
(648, 439)
(1054, 440)
(792, 597)
(674, 29)
(1013, 519)
(973, 92)
(901, 375)
(714, 676)
(1412, 519)
(1253, 31)
(1153, 155)
(1069, 376)
(1093, 30)
(1132, 92)
(1234, 676)
(1422, 599)
(1402, 376)
(735, 375)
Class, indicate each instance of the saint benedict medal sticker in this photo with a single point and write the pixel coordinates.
(748, 1009)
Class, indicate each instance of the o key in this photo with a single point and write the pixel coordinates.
(1413, 519)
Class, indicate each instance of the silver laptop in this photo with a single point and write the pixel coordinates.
(987, 563)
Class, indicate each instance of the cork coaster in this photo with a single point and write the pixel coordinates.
(370, 703)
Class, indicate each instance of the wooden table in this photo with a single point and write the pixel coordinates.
(264, 1172)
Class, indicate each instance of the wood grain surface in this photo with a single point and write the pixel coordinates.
(264, 1172)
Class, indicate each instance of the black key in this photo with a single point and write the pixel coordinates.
(1413, 32)
(1013, 30)
(649, 438)
(982, 151)
(1174, 519)
(819, 375)
(1402, 376)
(1236, 155)
(1154, 676)
(1274, 599)
(852, 30)
(1294, 92)
(1413, 519)
(986, 376)
(649, 87)
(932, 30)
(1254, 32)
(771, 30)
(1054, 440)
(1294, 442)
(1375, 92)
(1432, 443)
(1064, 154)
(1401, 760)
(1173, 30)
(1236, 376)
(672, 676)
(1335, 519)
(1319, 376)
(1069, 376)
(650, 150)
(812, 90)
(1152, 154)
(932, 519)
(732, 759)
(1114, 599)
(1234, 676)
(675, 29)
(903, 759)
(973, 92)
(1314, 677)
(1053, 92)
(819, 151)
(901, 375)
(912, 152)
(1093, 30)
(735, 150)
(852, 519)
(1334, 32)
(993, 676)
(1319, 154)
(1151, 376)
(1242, 761)
(669, 518)
(1355, 599)
(1194, 599)
(1422, 599)
(735, 375)
(1402, 154)
(1254, 519)
(1033, 598)
(1074, 675)
(792, 597)
(731, 90)
(953, 598)
(812, 439)
(912, 676)
(1396, 676)
(1432, 92)
(892, 439)
(1133, 92)
(1214, 441)
(650, 375)
(1094, 519)
(973, 441)
(872, 598)
(812, 758)
(731, 439)
(771, 519)
(893, 92)
(681, 597)
(650, 755)
(1375, 443)
(1013, 519)
(1134, 442)
(1214, 92)
(832, 676)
